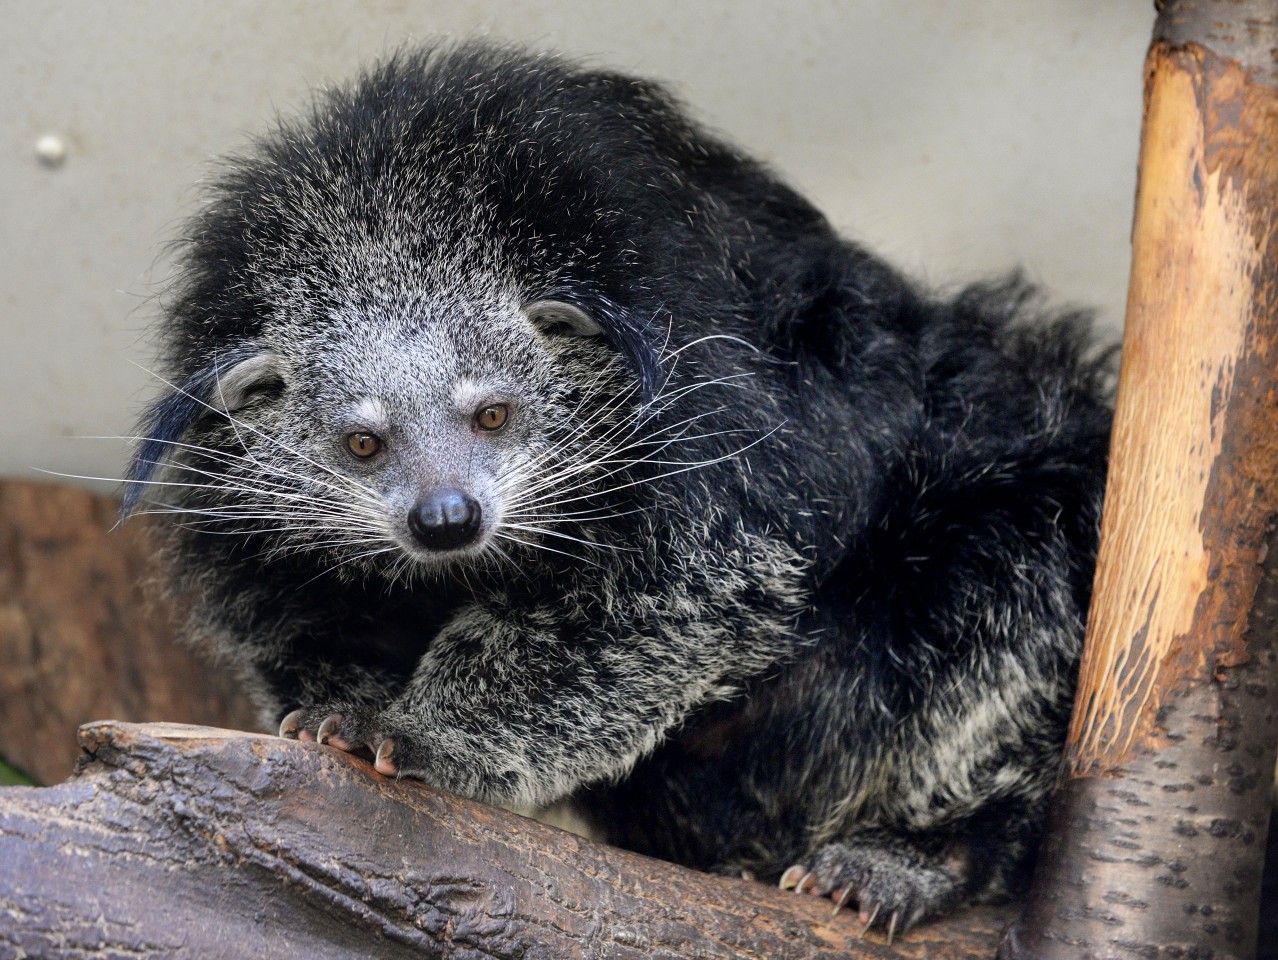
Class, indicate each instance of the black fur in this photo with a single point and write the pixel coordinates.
(846, 638)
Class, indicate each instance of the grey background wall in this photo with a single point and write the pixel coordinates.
(957, 137)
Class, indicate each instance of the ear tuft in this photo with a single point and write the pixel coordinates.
(221, 387)
(233, 387)
(557, 318)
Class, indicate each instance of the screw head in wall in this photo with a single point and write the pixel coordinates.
(51, 150)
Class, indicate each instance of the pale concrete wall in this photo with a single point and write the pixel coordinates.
(958, 138)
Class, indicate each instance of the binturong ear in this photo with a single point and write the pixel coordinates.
(557, 318)
(233, 387)
(220, 388)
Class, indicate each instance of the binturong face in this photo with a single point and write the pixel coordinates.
(409, 437)
(416, 331)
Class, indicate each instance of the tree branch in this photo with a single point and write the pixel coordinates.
(196, 842)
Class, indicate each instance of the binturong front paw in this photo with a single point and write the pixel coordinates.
(355, 730)
(894, 886)
(407, 744)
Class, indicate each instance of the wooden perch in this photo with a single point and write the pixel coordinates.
(1156, 842)
(195, 842)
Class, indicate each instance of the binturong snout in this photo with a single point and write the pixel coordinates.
(445, 519)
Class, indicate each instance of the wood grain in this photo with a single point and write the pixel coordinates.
(1156, 840)
(193, 842)
(1190, 336)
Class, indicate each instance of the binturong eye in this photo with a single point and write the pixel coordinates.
(492, 417)
(363, 445)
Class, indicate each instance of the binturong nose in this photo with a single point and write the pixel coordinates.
(445, 519)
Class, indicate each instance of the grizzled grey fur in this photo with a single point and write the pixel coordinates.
(531, 439)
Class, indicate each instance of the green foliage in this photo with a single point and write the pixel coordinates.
(13, 777)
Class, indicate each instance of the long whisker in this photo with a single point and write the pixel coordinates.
(616, 466)
(708, 337)
(275, 491)
(542, 546)
(543, 531)
(345, 562)
(236, 422)
(601, 445)
(229, 458)
(684, 468)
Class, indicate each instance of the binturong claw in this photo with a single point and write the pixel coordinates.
(792, 876)
(383, 763)
(327, 726)
(291, 723)
(841, 902)
(868, 921)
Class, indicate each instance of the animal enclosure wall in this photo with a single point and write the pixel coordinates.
(955, 139)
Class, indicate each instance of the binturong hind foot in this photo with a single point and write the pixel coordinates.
(893, 884)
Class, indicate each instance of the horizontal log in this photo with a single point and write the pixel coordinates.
(196, 842)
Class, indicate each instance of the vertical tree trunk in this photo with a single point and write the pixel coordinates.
(1156, 843)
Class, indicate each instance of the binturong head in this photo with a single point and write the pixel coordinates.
(436, 320)
(452, 431)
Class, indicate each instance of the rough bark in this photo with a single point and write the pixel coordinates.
(1156, 843)
(1267, 935)
(180, 841)
(77, 638)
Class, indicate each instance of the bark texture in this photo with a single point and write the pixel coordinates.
(78, 640)
(180, 841)
(1157, 838)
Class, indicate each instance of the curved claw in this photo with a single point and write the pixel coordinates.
(840, 903)
(291, 724)
(326, 728)
(869, 922)
(383, 763)
(892, 927)
(791, 877)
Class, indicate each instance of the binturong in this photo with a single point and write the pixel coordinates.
(532, 441)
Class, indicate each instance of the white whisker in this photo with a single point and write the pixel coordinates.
(569, 488)
(545, 531)
(542, 546)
